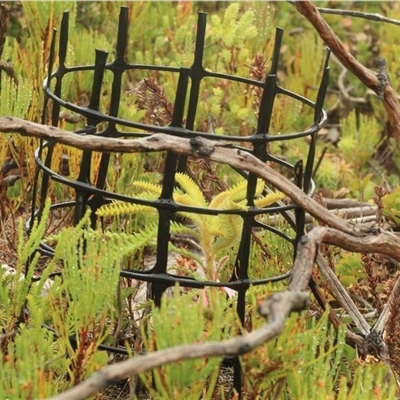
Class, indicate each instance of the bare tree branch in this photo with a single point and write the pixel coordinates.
(359, 14)
(276, 308)
(222, 152)
(343, 297)
(341, 233)
(375, 81)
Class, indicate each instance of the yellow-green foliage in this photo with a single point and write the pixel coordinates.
(391, 203)
(77, 306)
(14, 288)
(350, 164)
(189, 321)
(359, 139)
(308, 361)
(215, 233)
(15, 100)
(349, 268)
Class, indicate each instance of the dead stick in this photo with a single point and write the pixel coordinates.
(277, 308)
(378, 82)
(222, 152)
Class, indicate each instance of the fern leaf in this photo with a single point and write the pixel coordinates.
(117, 208)
(191, 188)
(186, 200)
(148, 187)
(232, 227)
(218, 200)
(239, 191)
(235, 194)
(183, 229)
(201, 222)
(259, 187)
(269, 199)
(129, 243)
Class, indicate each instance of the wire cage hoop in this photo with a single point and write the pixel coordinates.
(93, 194)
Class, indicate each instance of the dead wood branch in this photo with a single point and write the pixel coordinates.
(378, 82)
(276, 308)
(342, 296)
(222, 152)
(359, 14)
(352, 237)
(8, 68)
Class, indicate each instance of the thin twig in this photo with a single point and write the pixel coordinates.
(342, 296)
(8, 68)
(276, 308)
(366, 76)
(341, 233)
(359, 14)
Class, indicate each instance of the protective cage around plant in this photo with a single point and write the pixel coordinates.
(91, 190)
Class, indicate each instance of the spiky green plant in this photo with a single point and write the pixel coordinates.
(215, 234)
(310, 360)
(189, 321)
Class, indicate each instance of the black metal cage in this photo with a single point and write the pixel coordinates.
(109, 124)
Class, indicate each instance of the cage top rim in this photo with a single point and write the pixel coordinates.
(196, 72)
(100, 117)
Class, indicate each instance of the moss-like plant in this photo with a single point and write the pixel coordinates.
(310, 360)
(189, 321)
(60, 323)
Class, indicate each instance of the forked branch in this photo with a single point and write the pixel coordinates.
(222, 152)
(376, 81)
(338, 232)
(276, 308)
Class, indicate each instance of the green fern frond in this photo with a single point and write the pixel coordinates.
(129, 243)
(269, 199)
(259, 187)
(191, 188)
(218, 200)
(238, 205)
(216, 226)
(178, 228)
(148, 187)
(200, 220)
(232, 226)
(185, 199)
(117, 208)
(147, 196)
(237, 193)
